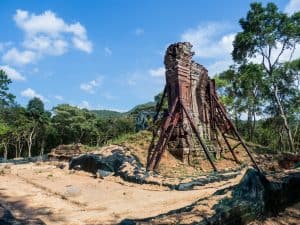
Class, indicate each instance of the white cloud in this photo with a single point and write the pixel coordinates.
(46, 34)
(47, 23)
(12, 73)
(210, 40)
(108, 51)
(158, 72)
(219, 66)
(89, 87)
(17, 57)
(84, 105)
(46, 45)
(83, 44)
(30, 93)
(139, 31)
(292, 7)
(288, 54)
(4, 45)
(58, 97)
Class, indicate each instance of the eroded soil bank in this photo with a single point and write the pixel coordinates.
(256, 197)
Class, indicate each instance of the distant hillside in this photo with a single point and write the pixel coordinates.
(107, 113)
(146, 107)
(149, 106)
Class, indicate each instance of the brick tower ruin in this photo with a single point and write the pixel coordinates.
(196, 119)
(188, 80)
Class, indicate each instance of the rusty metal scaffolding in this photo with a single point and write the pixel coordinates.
(187, 83)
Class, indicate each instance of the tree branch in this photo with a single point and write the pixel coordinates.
(282, 50)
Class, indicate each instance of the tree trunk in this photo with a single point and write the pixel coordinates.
(283, 116)
(80, 137)
(5, 151)
(98, 141)
(20, 147)
(16, 150)
(29, 142)
(253, 125)
(249, 124)
(42, 147)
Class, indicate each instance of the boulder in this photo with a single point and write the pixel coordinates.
(104, 173)
(90, 163)
(72, 191)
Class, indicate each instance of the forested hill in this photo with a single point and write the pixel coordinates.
(105, 114)
(149, 106)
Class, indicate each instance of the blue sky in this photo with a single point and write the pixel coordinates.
(109, 54)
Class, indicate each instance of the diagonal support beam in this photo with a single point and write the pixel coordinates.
(203, 145)
(156, 151)
(223, 112)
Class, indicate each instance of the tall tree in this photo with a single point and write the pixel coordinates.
(6, 98)
(35, 109)
(244, 90)
(269, 34)
(5, 137)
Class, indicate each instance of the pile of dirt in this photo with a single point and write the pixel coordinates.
(289, 161)
(278, 162)
(170, 166)
(65, 152)
(118, 161)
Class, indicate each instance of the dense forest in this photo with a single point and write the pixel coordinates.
(261, 92)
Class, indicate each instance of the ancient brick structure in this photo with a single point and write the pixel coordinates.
(188, 80)
(196, 119)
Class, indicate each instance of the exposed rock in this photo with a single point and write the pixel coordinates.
(72, 191)
(118, 161)
(89, 163)
(254, 198)
(103, 173)
(110, 161)
(65, 152)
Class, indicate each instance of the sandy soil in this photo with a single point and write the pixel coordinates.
(59, 196)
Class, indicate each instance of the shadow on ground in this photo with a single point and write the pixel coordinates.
(17, 212)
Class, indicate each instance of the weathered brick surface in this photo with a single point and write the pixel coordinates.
(188, 80)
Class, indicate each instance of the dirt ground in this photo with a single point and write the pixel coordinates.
(290, 216)
(59, 196)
